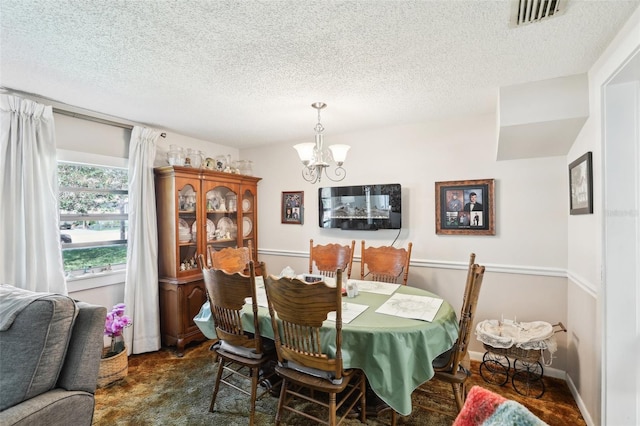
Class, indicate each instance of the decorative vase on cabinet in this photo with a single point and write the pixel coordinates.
(197, 209)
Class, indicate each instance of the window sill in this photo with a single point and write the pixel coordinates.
(86, 281)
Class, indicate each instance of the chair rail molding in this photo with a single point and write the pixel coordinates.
(584, 284)
(442, 264)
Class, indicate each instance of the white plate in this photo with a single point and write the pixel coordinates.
(184, 233)
(211, 229)
(226, 225)
(246, 226)
(246, 205)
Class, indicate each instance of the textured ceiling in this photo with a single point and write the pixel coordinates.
(244, 73)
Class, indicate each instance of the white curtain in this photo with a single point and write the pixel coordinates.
(141, 282)
(30, 249)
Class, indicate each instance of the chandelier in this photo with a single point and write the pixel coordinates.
(315, 157)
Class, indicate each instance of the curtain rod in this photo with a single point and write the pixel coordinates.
(61, 110)
(90, 118)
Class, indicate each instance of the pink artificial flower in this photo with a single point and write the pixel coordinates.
(116, 321)
(119, 309)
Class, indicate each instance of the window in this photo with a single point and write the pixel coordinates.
(93, 205)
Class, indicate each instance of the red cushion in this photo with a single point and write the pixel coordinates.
(479, 405)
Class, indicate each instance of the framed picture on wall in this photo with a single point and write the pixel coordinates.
(465, 207)
(293, 207)
(581, 185)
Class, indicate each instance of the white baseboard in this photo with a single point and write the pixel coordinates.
(583, 409)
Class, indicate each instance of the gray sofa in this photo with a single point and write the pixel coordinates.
(50, 349)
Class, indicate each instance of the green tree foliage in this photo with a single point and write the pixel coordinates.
(79, 176)
(88, 190)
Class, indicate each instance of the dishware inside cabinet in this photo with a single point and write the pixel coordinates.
(197, 209)
(187, 228)
(249, 220)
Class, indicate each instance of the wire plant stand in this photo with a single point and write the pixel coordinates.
(520, 361)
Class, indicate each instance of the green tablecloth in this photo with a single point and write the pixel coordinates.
(395, 353)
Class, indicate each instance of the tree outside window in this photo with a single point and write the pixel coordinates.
(93, 206)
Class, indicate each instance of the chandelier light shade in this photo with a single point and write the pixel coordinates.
(315, 158)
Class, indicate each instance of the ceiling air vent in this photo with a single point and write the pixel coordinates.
(529, 11)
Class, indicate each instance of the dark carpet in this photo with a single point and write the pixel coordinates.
(163, 389)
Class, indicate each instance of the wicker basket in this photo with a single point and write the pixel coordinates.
(113, 368)
(524, 355)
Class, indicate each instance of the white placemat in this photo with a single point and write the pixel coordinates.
(375, 286)
(261, 293)
(349, 312)
(422, 308)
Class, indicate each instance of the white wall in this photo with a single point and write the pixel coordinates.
(585, 241)
(526, 259)
(531, 195)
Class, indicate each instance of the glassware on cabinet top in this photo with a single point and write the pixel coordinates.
(221, 162)
(244, 167)
(195, 157)
(175, 156)
(210, 164)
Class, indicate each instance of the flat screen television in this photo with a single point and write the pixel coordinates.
(361, 207)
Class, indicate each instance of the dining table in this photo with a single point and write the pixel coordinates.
(379, 335)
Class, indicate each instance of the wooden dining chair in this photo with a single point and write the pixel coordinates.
(297, 311)
(230, 259)
(240, 354)
(452, 367)
(385, 263)
(331, 257)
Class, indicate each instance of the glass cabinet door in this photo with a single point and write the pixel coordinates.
(249, 228)
(221, 218)
(201, 210)
(187, 228)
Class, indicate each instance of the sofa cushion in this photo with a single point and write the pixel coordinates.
(486, 408)
(82, 363)
(54, 408)
(33, 349)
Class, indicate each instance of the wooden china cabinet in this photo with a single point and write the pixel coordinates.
(196, 209)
